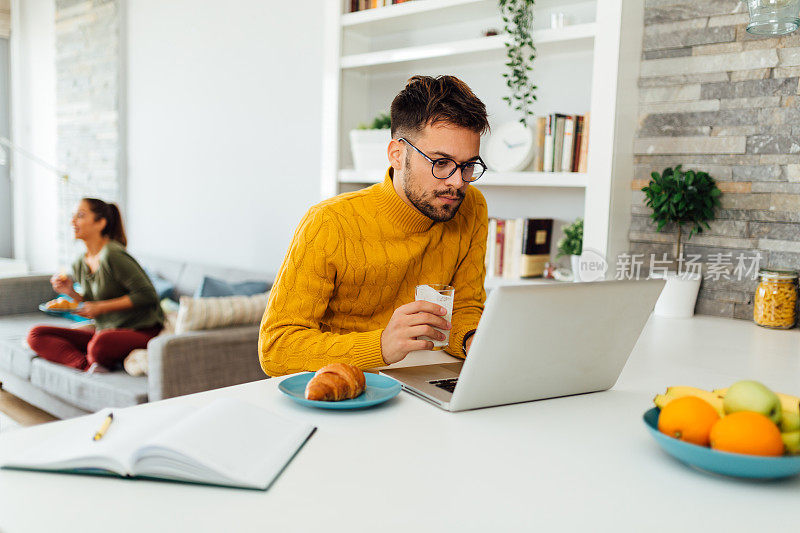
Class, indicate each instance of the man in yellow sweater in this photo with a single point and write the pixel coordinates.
(345, 291)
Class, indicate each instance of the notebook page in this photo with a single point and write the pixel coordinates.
(75, 448)
(232, 439)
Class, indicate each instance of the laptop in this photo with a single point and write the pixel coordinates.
(540, 341)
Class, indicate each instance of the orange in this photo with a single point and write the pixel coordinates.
(747, 432)
(689, 419)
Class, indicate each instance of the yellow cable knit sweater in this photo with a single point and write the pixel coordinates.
(353, 260)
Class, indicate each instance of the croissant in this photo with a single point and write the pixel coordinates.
(334, 382)
(61, 304)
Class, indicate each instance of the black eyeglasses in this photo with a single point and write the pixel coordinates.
(444, 167)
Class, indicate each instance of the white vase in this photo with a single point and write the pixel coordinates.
(369, 149)
(575, 263)
(679, 296)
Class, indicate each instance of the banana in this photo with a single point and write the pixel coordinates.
(788, 402)
(661, 400)
(791, 442)
(681, 391)
(684, 390)
(790, 422)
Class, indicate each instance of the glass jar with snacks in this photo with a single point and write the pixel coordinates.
(776, 299)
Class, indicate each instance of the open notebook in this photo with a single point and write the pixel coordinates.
(227, 442)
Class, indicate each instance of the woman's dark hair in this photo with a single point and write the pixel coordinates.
(428, 100)
(114, 228)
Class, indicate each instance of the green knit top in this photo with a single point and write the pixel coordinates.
(119, 275)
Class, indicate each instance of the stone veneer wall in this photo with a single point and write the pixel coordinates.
(716, 98)
(87, 106)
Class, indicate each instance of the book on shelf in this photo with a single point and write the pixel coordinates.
(549, 136)
(535, 250)
(500, 239)
(508, 238)
(512, 248)
(558, 142)
(228, 442)
(538, 162)
(491, 238)
(361, 5)
(569, 136)
(562, 143)
(518, 247)
(576, 143)
(583, 158)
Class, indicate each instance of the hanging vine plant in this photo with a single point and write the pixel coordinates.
(518, 25)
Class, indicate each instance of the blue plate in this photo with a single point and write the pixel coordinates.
(64, 313)
(379, 389)
(729, 464)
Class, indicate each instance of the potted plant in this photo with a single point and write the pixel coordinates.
(678, 197)
(571, 244)
(517, 18)
(368, 144)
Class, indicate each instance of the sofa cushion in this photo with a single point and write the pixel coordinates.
(188, 276)
(91, 392)
(192, 276)
(15, 356)
(164, 287)
(168, 269)
(23, 294)
(213, 288)
(19, 325)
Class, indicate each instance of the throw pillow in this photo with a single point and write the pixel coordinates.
(208, 313)
(164, 287)
(213, 287)
(135, 363)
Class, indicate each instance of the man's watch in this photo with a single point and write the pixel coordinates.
(464, 342)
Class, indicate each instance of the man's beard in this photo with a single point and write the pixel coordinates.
(423, 200)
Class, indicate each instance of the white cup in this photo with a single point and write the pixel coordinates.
(441, 295)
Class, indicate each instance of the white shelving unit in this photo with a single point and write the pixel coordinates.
(579, 36)
(400, 17)
(589, 65)
(492, 282)
(490, 179)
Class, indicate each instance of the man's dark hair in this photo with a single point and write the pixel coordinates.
(427, 100)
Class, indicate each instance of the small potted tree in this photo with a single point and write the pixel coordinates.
(571, 244)
(368, 144)
(681, 198)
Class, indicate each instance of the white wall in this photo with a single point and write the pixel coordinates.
(223, 112)
(33, 127)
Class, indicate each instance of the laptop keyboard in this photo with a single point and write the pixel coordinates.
(448, 384)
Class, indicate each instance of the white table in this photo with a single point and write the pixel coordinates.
(577, 463)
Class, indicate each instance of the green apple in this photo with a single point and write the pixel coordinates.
(790, 421)
(791, 441)
(753, 396)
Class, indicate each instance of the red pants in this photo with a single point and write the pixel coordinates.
(79, 348)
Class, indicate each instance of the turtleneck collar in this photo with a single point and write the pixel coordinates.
(397, 211)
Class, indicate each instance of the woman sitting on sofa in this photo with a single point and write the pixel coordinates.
(115, 292)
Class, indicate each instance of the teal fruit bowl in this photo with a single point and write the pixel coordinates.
(728, 464)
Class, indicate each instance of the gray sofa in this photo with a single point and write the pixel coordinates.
(178, 364)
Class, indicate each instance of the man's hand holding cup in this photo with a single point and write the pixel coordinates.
(408, 322)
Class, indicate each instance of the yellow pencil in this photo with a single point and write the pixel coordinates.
(102, 431)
